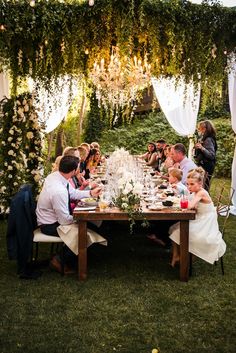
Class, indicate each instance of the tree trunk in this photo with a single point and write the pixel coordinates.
(59, 142)
(81, 117)
(50, 141)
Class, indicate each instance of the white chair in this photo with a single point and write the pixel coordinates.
(40, 237)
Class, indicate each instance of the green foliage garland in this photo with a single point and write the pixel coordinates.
(53, 38)
(21, 147)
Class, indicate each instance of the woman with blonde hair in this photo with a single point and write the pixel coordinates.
(205, 239)
(55, 165)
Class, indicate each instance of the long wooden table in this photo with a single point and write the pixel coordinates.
(114, 214)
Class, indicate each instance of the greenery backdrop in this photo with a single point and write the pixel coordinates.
(53, 37)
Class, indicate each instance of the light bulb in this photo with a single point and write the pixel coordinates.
(32, 3)
(91, 2)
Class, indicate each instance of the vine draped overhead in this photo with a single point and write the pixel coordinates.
(47, 39)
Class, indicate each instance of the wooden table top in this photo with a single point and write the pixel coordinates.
(115, 213)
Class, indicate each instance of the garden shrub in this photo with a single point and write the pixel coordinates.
(135, 137)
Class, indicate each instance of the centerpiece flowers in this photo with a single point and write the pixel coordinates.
(129, 197)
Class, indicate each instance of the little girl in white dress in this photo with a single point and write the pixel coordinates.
(205, 239)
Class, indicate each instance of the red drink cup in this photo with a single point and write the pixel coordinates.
(184, 203)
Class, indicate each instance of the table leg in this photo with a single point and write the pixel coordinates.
(184, 251)
(82, 257)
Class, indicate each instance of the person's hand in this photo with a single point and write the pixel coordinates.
(198, 146)
(85, 183)
(96, 191)
(93, 185)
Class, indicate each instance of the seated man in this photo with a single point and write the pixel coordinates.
(178, 154)
(53, 207)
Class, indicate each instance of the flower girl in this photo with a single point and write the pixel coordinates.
(205, 239)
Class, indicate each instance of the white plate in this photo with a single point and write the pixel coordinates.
(87, 208)
(88, 202)
(155, 207)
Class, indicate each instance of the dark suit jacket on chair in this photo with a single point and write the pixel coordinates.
(21, 224)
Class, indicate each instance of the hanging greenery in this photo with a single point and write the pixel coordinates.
(21, 147)
(54, 38)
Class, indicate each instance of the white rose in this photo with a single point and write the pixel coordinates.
(1, 130)
(3, 188)
(11, 132)
(6, 164)
(10, 139)
(9, 176)
(15, 183)
(37, 177)
(10, 167)
(3, 143)
(124, 205)
(24, 102)
(29, 135)
(11, 153)
(128, 188)
(20, 111)
(26, 108)
(138, 188)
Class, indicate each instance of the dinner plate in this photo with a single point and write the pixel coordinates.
(88, 202)
(155, 207)
(85, 208)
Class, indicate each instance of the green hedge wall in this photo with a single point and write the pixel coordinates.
(135, 137)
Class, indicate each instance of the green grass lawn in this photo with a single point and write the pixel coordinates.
(132, 302)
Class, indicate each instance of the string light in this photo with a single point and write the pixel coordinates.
(91, 2)
(32, 3)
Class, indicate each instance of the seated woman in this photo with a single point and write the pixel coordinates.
(55, 165)
(151, 155)
(205, 239)
(93, 160)
(167, 163)
(84, 153)
(95, 145)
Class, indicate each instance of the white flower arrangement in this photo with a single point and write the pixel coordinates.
(20, 132)
(122, 175)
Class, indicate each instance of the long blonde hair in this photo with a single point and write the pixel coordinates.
(197, 174)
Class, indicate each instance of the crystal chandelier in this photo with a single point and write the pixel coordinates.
(121, 82)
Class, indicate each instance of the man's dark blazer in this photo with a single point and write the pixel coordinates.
(21, 224)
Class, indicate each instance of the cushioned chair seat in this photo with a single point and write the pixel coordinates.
(40, 237)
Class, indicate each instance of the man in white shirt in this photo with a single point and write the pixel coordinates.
(53, 206)
(178, 154)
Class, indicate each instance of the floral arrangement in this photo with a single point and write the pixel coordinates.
(124, 175)
(21, 147)
(129, 197)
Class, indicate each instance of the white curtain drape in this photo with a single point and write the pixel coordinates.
(180, 104)
(4, 85)
(232, 103)
(52, 106)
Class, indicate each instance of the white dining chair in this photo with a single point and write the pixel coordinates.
(40, 237)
